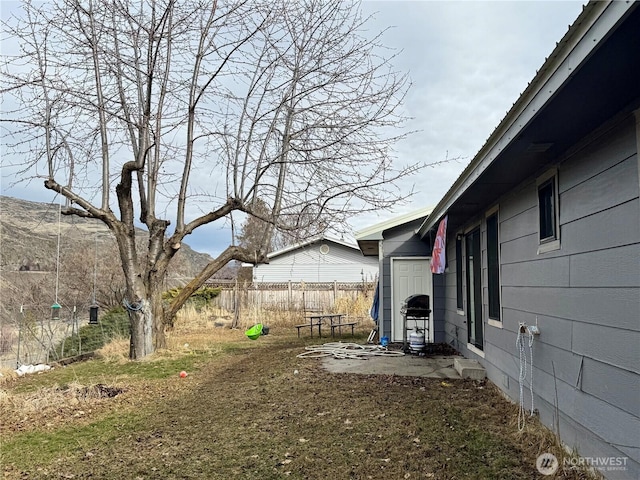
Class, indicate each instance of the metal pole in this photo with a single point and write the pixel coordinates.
(58, 255)
(20, 322)
(42, 332)
(95, 271)
(75, 319)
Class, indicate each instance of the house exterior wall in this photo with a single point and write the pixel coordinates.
(308, 264)
(402, 242)
(585, 298)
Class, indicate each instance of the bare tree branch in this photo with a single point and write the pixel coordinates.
(191, 111)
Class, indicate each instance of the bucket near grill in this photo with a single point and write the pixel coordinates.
(416, 342)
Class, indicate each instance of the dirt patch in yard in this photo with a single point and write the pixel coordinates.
(262, 413)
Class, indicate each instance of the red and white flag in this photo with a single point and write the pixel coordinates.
(438, 260)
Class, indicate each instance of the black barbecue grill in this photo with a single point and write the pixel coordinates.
(415, 309)
(416, 306)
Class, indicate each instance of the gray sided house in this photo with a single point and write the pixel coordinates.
(317, 260)
(544, 230)
(404, 261)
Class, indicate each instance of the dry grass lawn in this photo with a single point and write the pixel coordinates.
(243, 412)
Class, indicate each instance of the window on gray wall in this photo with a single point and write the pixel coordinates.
(548, 211)
(493, 267)
(459, 273)
(547, 206)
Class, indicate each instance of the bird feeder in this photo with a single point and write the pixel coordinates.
(55, 311)
(93, 315)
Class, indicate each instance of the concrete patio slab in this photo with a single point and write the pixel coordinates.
(437, 366)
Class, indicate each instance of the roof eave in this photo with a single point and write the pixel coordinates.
(375, 232)
(309, 242)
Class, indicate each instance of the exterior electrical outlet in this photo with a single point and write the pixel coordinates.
(534, 330)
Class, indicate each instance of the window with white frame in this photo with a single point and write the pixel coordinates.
(548, 212)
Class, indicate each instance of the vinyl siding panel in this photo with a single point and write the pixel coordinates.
(611, 384)
(587, 422)
(543, 272)
(403, 241)
(454, 328)
(614, 267)
(584, 297)
(613, 346)
(499, 337)
(566, 363)
(520, 225)
(612, 228)
(585, 441)
(615, 145)
(615, 227)
(558, 331)
(616, 306)
(602, 419)
(600, 193)
(517, 202)
(340, 264)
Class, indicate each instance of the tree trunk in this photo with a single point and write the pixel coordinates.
(141, 317)
(160, 324)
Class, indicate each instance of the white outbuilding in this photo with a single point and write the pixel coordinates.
(321, 259)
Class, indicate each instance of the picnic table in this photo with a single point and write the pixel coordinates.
(332, 320)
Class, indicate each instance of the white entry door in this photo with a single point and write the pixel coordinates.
(409, 276)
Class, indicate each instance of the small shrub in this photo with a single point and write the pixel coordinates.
(113, 325)
(199, 299)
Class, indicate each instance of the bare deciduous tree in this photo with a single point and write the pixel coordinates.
(138, 112)
(253, 230)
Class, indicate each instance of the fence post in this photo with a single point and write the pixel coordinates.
(335, 291)
(236, 305)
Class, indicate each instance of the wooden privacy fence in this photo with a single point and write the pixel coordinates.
(312, 297)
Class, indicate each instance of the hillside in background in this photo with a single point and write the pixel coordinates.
(29, 240)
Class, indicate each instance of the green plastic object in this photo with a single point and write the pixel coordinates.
(254, 332)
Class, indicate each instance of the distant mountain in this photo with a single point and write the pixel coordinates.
(29, 239)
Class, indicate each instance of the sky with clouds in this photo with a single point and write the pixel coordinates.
(468, 63)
